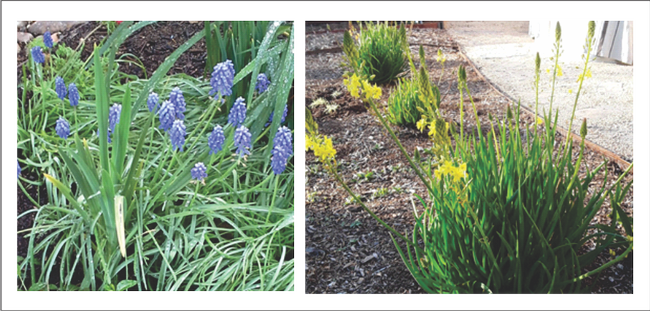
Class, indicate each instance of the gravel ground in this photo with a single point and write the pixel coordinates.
(505, 54)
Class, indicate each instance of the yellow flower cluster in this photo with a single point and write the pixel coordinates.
(371, 91)
(448, 168)
(353, 85)
(322, 148)
(586, 75)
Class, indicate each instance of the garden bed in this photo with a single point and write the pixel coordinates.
(347, 250)
(198, 208)
(191, 63)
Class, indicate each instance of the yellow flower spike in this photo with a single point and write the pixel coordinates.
(371, 91)
(353, 85)
(421, 125)
(432, 128)
(588, 74)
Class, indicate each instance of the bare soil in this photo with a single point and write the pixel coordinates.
(347, 251)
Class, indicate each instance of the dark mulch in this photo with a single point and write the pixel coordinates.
(347, 251)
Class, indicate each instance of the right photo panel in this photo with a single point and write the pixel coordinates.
(469, 157)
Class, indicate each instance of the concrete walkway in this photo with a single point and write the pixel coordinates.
(505, 54)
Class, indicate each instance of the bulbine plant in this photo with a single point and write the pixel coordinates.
(378, 52)
(413, 97)
(171, 195)
(507, 212)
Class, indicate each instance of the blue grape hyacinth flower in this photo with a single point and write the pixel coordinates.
(61, 91)
(216, 139)
(237, 112)
(177, 99)
(114, 116)
(242, 140)
(37, 55)
(47, 39)
(222, 78)
(62, 128)
(152, 102)
(282, 150)
(167, 115)
(199, 172)
(262, 83)
(19, 169)
(73, 95)
(177, 135)
(284, 116)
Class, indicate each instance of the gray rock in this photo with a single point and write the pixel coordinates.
(24, 37)
(21, 25)
(39, 28)
(18, 48)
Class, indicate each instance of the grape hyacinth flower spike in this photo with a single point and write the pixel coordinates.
(262, 83)
(222, 79)
(242, 141)
(216, 139)
(199, 172)
(177, 99)
(237, 112)
(282, 150)
(60, 88)
(167, 115)
(152, 102)
(177, 135)
(37, 55)
(73, 95)
(62, 128)
(47, 39)
(19, 169)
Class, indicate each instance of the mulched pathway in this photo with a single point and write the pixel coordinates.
(347, 251)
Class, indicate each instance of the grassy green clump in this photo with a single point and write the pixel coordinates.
(378, 52)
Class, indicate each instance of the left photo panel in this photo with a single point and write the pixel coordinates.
(155, 156)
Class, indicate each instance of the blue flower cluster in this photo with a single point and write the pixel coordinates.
(216, 139)
(60, 88)
(114, 113)
(177, 135)
(37, 55)
(237, 114)
(167, 115)
(62, 128)
(282, 150)
(242, 140)
(47, 39)
(222, 79)
(19, 169)
(262, 83)
(73, 95)
(152, 102)
(177, 99)
(199, 172)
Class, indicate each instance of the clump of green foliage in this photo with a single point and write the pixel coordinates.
(378, 52)
(413, 97)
